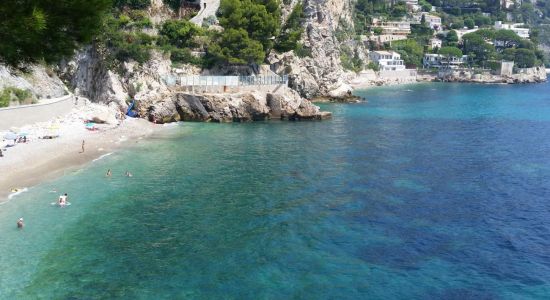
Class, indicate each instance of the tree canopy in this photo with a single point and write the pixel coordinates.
(180, 33)
(250, 28)
(475, 46)
(35, 30)
(411, 52)
(450, 52)
(235, 47)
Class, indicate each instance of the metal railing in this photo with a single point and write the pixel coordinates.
(173, 80)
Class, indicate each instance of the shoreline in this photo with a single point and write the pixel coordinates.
(32, 163)
(529, 75)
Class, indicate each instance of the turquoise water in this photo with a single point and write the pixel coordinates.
(432, 191)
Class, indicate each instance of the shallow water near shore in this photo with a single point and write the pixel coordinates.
(437, 191)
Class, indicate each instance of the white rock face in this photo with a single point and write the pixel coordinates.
(321, 73)
(41, 81)
(91, 78)
(344, 90)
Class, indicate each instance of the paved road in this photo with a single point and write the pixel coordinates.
(208, 8)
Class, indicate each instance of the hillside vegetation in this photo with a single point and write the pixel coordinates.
(124, 30)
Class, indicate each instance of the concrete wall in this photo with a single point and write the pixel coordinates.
(506, 68)
(17, 116)
(401, 75)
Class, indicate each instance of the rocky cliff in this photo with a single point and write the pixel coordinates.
(40, 80)
(321, 73)
(89, 75)
(236, 107)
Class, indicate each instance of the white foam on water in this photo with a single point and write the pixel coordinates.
(102, 156)
(13, 194)
(172, 124)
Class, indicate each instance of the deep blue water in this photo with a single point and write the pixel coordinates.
(431, 191)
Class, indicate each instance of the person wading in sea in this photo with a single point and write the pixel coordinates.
(20, 223)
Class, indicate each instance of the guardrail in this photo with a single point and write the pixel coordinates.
(229, 81)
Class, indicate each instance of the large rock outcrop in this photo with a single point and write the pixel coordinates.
(526, 75)
(237, 107)
(322, 71)
(89, 75)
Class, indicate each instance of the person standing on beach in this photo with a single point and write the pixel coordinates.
(83, 142)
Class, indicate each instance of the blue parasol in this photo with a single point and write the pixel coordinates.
(10, 136)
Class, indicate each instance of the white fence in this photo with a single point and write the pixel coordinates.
(220, 81)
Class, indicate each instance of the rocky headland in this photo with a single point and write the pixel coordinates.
(233, 107)
(527, 75)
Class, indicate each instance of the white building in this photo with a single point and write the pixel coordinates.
(387, 60)
(435, 43)
(437, 61)
(433, 21)
(393, 27)
(517, 28)
(386, 38)
(413, 5)
(507, 3)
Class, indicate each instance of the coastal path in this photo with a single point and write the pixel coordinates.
(44, 110)
(208, 8)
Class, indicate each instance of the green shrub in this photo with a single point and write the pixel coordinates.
(179, 33)
(174, 4)
(123, 45)
(350, 60)
(16, 94)
(5, 98)
(292, 31)
(302, 51)
(373, 66)
(134, 4)
(185, 56)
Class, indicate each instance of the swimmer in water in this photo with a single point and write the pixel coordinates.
(128, 174)
(20, 223)
(109, 173)
(63, 200)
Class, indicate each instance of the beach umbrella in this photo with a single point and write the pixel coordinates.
(10, 136)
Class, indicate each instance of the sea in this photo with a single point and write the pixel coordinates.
(425, 191)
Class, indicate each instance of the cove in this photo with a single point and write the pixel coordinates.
(423, 191)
